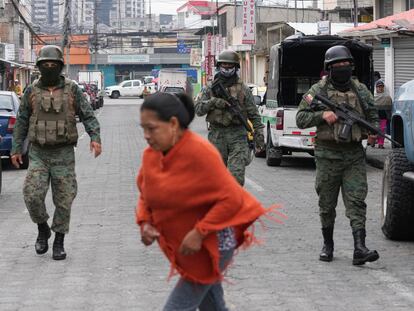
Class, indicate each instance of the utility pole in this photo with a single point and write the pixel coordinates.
(149, 16)
(217, 18)
(296, 11)
(120, 25)
(355, 13)
(95, 34)
(66, 33)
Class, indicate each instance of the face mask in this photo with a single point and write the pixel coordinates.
(50, 75)
(341, 74)
(227, 72)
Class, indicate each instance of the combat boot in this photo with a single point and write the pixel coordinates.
(361, 253)
(41, 244)
(328, 244)
(58, 249)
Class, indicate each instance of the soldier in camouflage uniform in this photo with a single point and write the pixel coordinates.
(47, 116)
(225, 130)
(340, 164)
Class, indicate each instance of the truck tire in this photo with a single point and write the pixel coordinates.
(115, 94)
(273, 155)
(397, 204)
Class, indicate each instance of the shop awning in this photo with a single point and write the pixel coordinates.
(14, 64)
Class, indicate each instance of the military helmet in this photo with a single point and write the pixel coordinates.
(228, 56)
(337, 54)
(50, 53)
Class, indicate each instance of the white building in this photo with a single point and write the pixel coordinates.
(196, 14)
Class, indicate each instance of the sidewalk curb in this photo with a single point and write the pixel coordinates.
(377, 163)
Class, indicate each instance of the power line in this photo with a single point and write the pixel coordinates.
(16, 7)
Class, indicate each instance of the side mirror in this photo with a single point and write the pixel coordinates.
(257, 100)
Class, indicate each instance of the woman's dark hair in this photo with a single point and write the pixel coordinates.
(168, 105)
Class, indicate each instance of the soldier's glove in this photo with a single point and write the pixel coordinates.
(219, 102)
(259, 140)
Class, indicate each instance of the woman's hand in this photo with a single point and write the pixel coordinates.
(148, 234)
(191, 243)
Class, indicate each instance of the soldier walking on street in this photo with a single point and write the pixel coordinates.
(47, 117)
(340, 164)
(226, 131)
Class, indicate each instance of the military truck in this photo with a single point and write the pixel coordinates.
(295, 65)
(397, 204)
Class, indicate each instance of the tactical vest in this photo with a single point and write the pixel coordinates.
(53, 120)
(328, 132)
(223, 117)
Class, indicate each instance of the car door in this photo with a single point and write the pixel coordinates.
(137, 88)
(126, 89)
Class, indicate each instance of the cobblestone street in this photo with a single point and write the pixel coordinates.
(109, 269)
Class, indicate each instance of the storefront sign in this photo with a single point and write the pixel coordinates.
(195, 57)
(249, 22)
(128, 59)
(9, 53)
(324, 27)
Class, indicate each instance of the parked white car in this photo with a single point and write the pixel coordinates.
(132, 88)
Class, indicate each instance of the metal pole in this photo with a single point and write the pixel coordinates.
(66, 32)
(355, 13)
(95, 33)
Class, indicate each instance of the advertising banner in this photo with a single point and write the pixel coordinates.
(249, 22)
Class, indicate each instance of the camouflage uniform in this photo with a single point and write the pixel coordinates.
(54, 164)
(339, 165)
(226, 131)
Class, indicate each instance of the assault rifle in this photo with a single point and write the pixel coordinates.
(349, 116)
(233, 103)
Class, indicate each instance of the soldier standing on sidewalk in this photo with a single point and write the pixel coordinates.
(340, 164)
(226, 131)
(47, 116)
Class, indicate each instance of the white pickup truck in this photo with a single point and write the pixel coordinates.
(295, 65)
(131, 88)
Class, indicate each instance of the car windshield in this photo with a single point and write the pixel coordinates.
(170, 89)
(6, 102)
(147, 80)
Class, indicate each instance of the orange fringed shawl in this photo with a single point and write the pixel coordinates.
(191, 187)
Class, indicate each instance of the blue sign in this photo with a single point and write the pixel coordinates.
(182, 48)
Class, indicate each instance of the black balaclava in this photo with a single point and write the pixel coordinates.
(341, 77)
(50, 76)
(227, 77)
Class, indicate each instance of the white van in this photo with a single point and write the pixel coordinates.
(295, 65)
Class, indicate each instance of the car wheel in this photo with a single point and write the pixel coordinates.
(273, 155)
(397, 204)
(115, 94)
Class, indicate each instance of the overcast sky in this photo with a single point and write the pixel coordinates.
(171, 6)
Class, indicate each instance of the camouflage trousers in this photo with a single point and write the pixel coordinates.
(55, 167)
(232, 144)
(343, 170)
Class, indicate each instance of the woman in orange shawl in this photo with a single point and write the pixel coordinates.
(189, 203)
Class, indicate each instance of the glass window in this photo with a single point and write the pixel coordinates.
(137, 83)
(126, 84)
(6, 102)
(406, 91)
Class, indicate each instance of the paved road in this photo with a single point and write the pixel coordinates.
(108, 269)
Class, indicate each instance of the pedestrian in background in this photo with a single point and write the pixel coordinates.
(189, 203)
(226, 131)
(47, 117)
(340, 164)
(383, 102)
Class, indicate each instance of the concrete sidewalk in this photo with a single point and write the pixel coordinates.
(375, 156)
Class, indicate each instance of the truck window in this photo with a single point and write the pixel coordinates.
(136, 83)
(127, 84)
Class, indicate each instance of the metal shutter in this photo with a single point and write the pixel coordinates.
(379, 59)
(403, 61)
